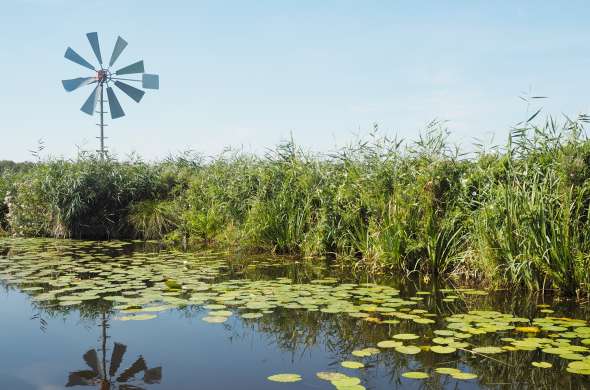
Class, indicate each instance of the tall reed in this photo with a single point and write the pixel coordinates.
(509, 216)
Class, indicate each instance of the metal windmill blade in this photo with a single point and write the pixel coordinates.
(104, 78)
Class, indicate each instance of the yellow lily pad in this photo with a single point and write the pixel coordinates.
(464, 375)
(408, 349)
(389, 344)
(441, 349)
(406, 336)
(415, 375)
(285, 378)
(351, 364)
(488, 350)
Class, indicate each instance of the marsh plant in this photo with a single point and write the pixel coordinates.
(515, 215)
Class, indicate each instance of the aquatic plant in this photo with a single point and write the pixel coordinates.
(358, 325)
(511, 216)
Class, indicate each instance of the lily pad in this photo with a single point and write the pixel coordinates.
(406, 336)
(415, 375)
(389, 344)
(285, 378)
(352, 364)
(139, 317)
(464, 376)
(344, 383)
(446, 370)
(330, 376)
(408, 349)
(214, 320)
(441, 349)
(251, 315)
(488, 350)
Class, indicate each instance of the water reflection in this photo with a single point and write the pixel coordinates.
(97, 374)
(324, 338)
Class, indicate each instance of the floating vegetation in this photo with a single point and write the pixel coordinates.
(463, 376)
(389, 344)
(285, 378)
(346, 381)
(406, 336)
(251, 316)
(351, 364)
(415, 375)
(446, 370)
(442, 350)
(140, 286)
(488, 350)
(365, 352)
(214, 320)
(140, 317)
(408, 349)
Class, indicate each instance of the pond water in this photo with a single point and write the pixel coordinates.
(121, 315)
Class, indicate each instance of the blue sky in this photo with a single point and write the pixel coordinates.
(247, 74)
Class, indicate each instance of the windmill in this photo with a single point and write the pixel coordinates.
(105, 78)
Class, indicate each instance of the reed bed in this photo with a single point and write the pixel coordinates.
(515, 215)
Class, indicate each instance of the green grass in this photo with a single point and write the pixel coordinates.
(510, 216)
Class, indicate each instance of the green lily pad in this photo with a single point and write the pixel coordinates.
(214, 307)
(415, 375)
(464, 376)
(251, 315)
(423, 321)
(406, 336)
(408, 349)
(572, 356)
(345, 382)
(441, 349)
(488, 350)
(69, 303)
(140, 317)
(285, 378)
(579, 367)
(389, 344)
(352, 364)
(330, 376)
(365, 352)
(446, 370)
(214, 320)
(443, 332)
(219, 313)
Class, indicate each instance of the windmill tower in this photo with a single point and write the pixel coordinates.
(105, 78)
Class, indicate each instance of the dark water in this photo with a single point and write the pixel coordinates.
(46, 346)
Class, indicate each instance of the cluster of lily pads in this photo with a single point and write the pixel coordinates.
(139, 285)
(560, 333)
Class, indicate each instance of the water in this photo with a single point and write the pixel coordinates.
(75, 337)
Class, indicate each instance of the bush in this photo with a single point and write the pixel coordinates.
(86, 198)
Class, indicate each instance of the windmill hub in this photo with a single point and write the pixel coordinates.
(103, 75)
(105, 78)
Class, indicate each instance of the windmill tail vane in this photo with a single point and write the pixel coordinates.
(104, 78)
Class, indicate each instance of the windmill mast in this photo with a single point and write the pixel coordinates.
(102, 125)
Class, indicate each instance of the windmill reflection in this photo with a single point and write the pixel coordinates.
(97, 375)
